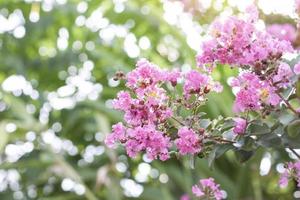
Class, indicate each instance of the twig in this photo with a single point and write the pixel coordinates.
(287, 104)
(295, 153)
(178, 121)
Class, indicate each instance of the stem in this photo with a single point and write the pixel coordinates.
(295, 153)
(287, 104)
(181, 123)
(218, 139)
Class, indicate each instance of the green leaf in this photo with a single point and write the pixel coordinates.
(258, 128)
(204, 123)
(192, 161)
(3, 135)
(293, 129)
(217, 152)
(270, 140)
(243, 156)
(298, 88)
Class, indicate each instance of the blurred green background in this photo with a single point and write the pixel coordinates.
(57, 62)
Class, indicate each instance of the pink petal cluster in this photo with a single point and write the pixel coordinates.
(117, 135)
(150, 105)
(185, 197)
(240, 125)
(209, 189)
(188, 142)
(147, 139)
(198, 83)
(297, 68)
(283, 75)
(282, 31)
(297, 6)
(252, 92)
(292, 171)
(147, 75)
(238, 42)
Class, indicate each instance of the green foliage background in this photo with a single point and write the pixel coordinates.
(44, 169)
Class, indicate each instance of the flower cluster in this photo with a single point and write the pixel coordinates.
(238, 42)
(253, 93)
(198, 83)
(148, 108)
(209, 189)
(292, 171)
(240, 125)
(188, 142)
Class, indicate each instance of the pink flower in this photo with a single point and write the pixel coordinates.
(209, 189)
(282, 31)
(292, 171)
(252, 92)
(123, 101)
(147, 139)
(185, 197)
(284, 179)
(198, 83)
(172, 76)
(117, 135)
(239, 126)
(283, 75)
(188, 142)
(145, 75)
(297, 68)
(297, 6)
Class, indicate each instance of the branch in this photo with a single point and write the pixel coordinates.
(287, 104)
(294, 152)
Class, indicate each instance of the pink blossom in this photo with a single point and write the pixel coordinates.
(239, 126)
(252, 92)
(117, 135)
(188, 142)
(145, 75)
(185, 197)
(297, 68)
(123, 101)
(297, 6)
(283, 75)
(282, 31)
(198, 83)
(208, 188)
(147, 139)
(292, 171)
(172, 76)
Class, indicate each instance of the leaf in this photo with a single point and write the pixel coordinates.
(289, 141)
(258, 128)
(243, 156)
(204, 123)
(217, 152)
(3, 135)
(293, 129)
(192, 161)
(270, 140)
(298, 88)
(248, 144)
(227, 125)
